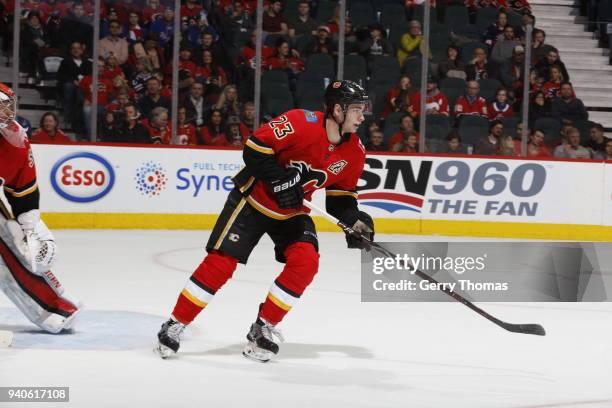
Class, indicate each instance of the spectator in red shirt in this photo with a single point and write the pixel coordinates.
(166, 90)
(286, 59)
(49, 131)
(247, 55)
(118, 84)
(273, 20)
(408, 144)
(158, 126)
(436, 102)
(406, 125)
(552, 87)
(536, 147)
(500, 108)
(152, 11)
(213, 133)
(111, 69)
(185, 62)
(334, 23)
(187, 68)
(120, 101)
(185, 131)
(210, 72)
(470, 103)
(247, 119)
(191, 8)
(398, 97)
(86, 87)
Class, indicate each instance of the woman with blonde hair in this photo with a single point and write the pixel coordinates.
(228, 101)
(506, 146)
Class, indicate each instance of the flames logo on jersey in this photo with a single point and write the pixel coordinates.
(314, 178)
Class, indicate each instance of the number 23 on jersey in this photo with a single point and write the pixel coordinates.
(281, 127)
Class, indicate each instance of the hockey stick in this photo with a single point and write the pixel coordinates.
(535, 329)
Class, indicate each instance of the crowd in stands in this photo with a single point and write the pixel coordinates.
(474, 88)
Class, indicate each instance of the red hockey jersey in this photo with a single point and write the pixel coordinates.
(464, 107)
(437, 102)
(18, 175)
(298, 139)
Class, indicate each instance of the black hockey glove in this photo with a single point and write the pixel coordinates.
(288, 191)
(365, 226)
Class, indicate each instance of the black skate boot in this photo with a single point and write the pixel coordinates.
(169, 338)
(261, 346)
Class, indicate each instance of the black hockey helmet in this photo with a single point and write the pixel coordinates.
(344, 93)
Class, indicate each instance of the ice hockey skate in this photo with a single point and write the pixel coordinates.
(169, 338)
(261, 346)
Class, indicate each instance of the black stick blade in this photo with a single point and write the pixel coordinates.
(534, 329)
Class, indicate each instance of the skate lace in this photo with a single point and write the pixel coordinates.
(270, 332)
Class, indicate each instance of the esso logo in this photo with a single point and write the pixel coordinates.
(82, 177)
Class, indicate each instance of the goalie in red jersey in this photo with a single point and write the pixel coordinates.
(286, 160)
(27, 247)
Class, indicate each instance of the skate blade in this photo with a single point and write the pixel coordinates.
(252, 352)
(163, 351)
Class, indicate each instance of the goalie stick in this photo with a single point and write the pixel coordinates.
(534, 329)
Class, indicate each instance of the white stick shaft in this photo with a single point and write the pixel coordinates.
(321, 211)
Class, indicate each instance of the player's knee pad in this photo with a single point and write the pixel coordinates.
(215, 269)
(301, 267)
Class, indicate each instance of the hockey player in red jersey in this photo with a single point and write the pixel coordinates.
(286, 160)
(27, 247)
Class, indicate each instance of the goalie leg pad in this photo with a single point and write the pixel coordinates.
(32, 294)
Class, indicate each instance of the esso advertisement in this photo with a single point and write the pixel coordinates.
(82, 177)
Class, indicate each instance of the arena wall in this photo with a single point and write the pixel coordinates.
(104, 186)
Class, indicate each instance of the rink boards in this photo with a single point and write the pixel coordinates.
(101, 186)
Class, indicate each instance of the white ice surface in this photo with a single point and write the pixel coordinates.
(339, 352)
